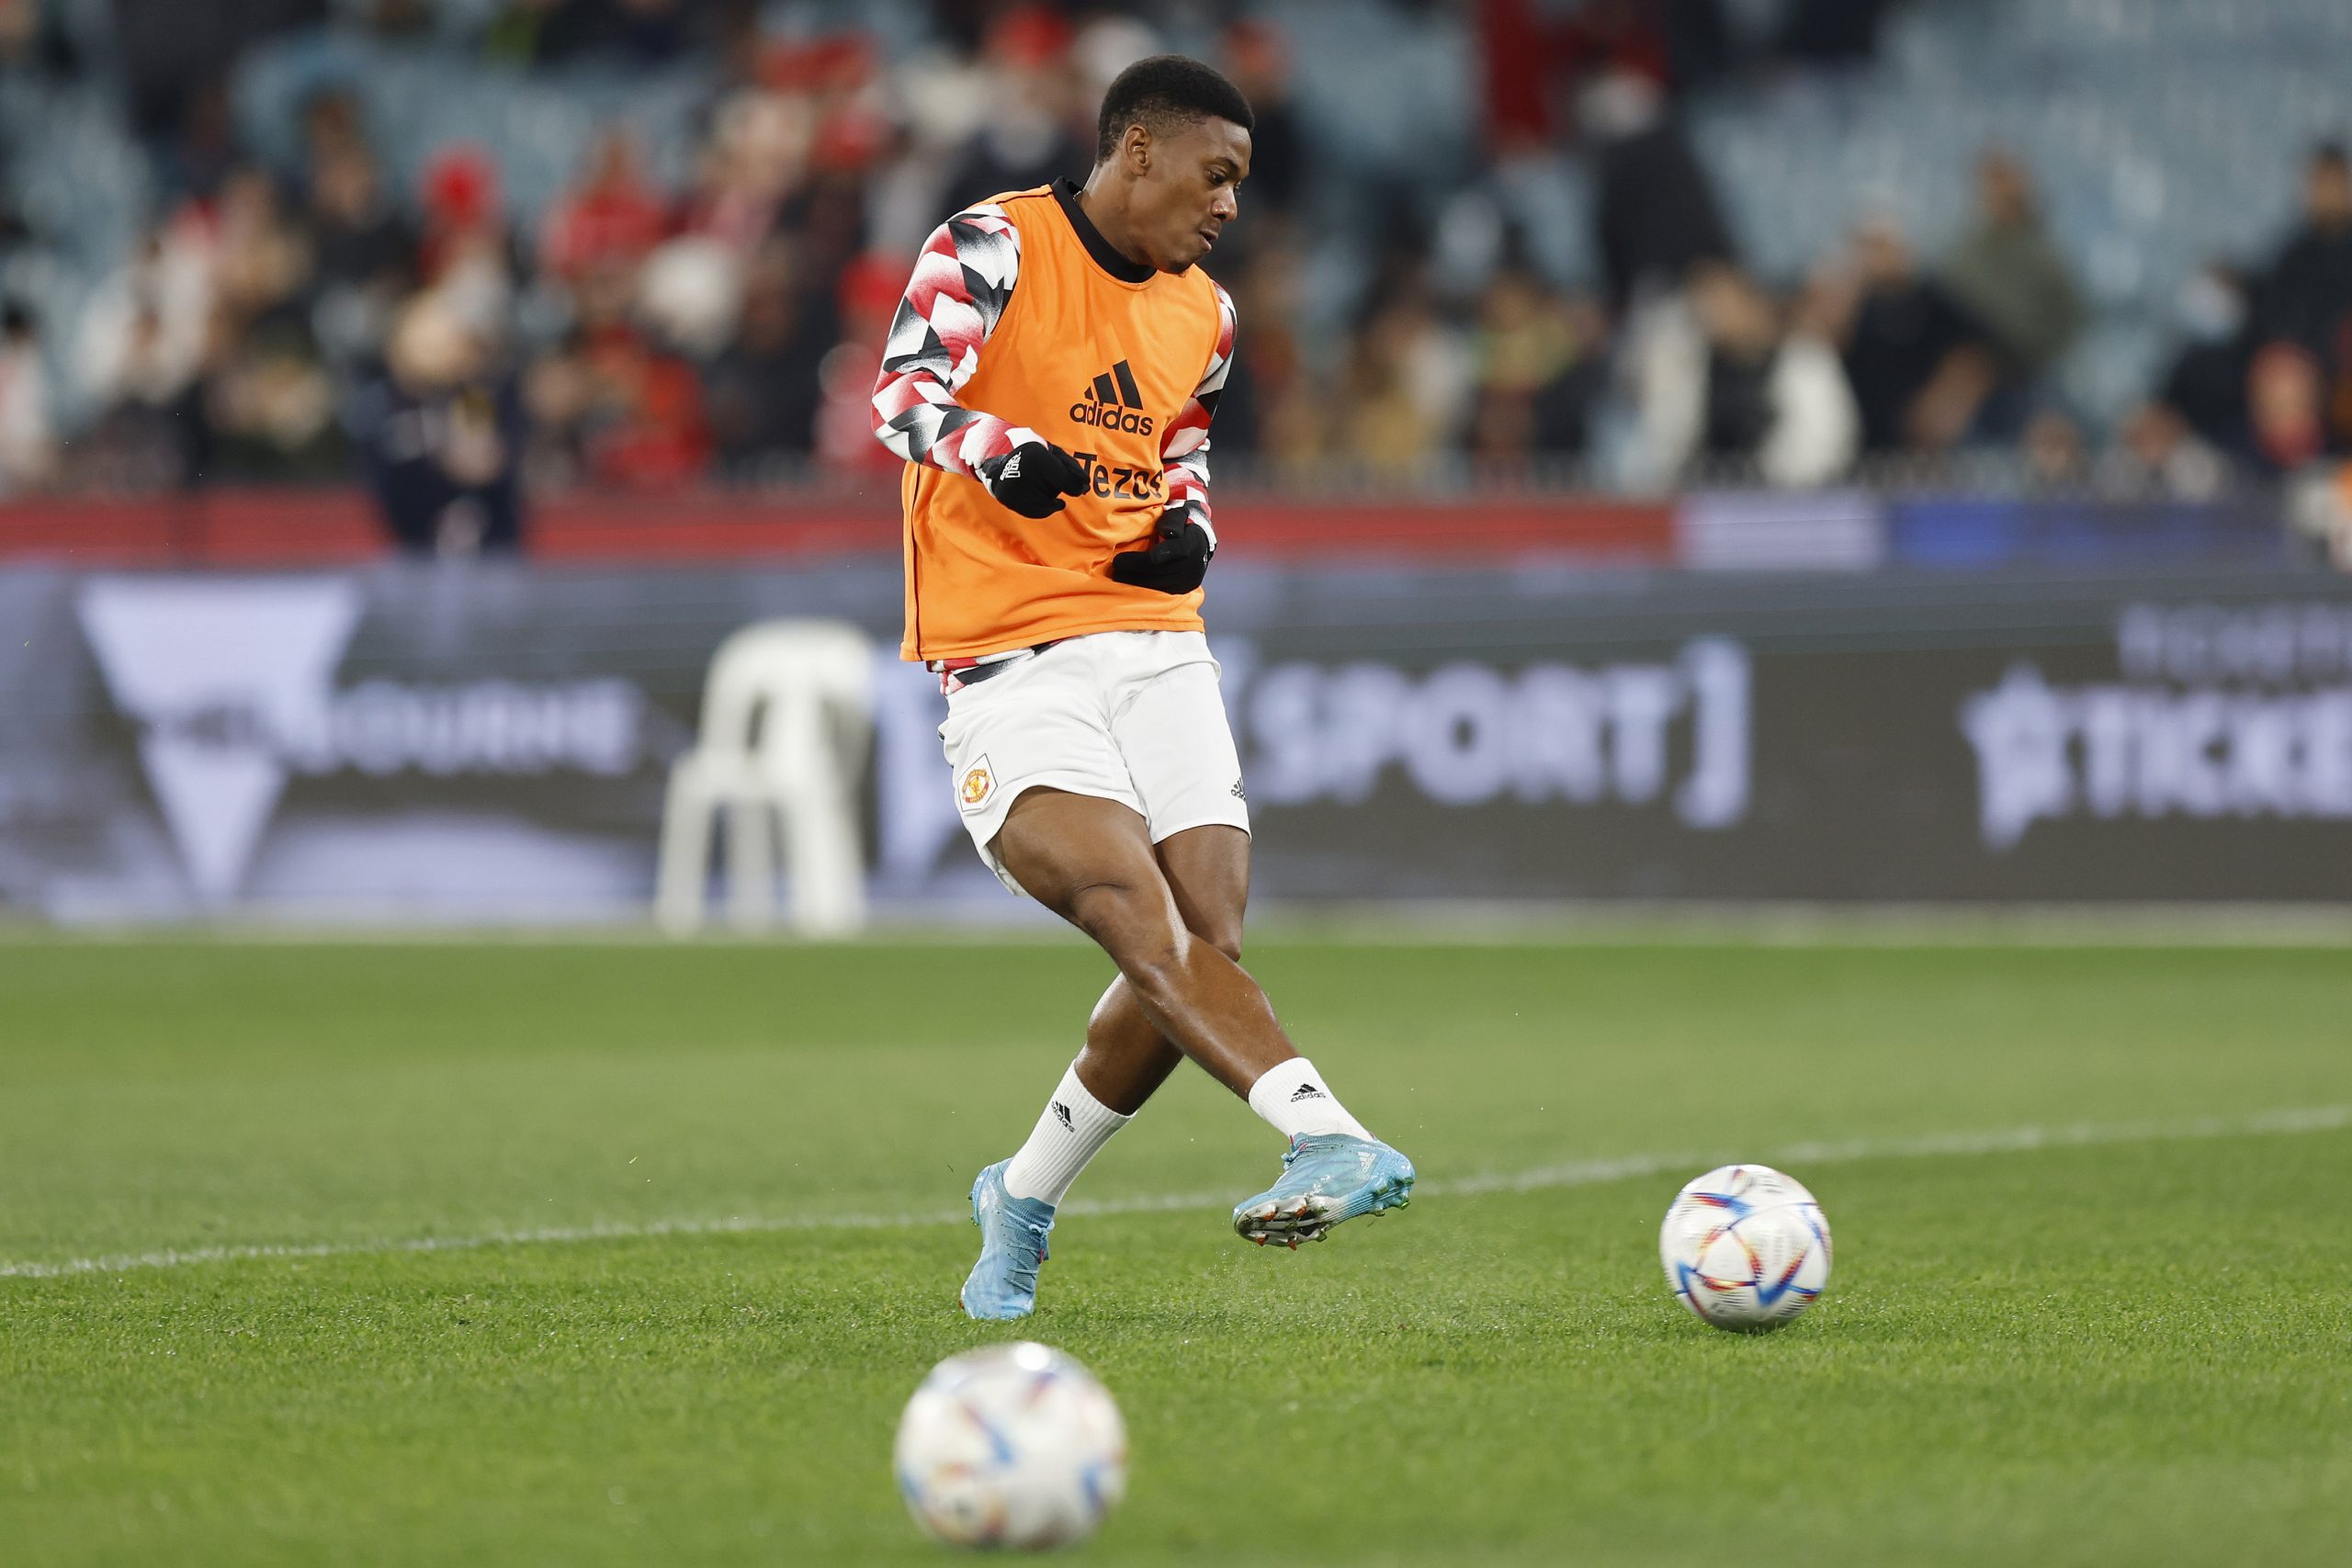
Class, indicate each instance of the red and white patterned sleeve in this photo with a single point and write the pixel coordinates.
(1184, 445)
(962, 282)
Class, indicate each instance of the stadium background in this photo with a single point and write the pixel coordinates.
(1717, 449)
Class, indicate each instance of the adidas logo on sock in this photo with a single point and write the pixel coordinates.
(1306, 1091)
(1061, 1112)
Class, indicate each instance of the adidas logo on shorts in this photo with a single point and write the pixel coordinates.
(1113, 401)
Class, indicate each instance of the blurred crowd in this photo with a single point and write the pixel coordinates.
(303, 321)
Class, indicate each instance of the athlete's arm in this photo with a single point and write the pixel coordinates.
(962, 282)
(1184, 445)
(1178, 557)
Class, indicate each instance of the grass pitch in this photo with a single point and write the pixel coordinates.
(2138, 1349)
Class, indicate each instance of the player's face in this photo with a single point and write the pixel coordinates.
(1185, 195)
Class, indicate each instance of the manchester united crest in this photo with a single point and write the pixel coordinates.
(976, 784)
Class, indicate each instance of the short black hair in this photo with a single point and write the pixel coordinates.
(1163, 93)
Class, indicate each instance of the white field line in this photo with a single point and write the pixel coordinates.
(1573, 1173)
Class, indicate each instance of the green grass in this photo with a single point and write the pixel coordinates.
(2135, 1350)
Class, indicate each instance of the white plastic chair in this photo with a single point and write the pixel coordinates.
(787, 718)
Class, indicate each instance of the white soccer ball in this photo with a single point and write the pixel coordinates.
(1745, 1247)
(1011, 1445)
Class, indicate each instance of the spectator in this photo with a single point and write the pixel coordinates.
(27, 440)
(2056, 457)
(464, 252)
(1918, 364)
(1512, 90)
(2205, 384)
(169, 52)
(1722, 384)
(757, 155)
(361, 243)
(32, 38)
(652, 433)
(2006, 274)
(613, 217)
(1038, 130)
(262, 261)
(1655, 213)
(1272, 406)
(690, 293)
(1606, 37)
(366, 255)
(269, 408)
(619, 409)
(201, 153)
(1541, 369)
(2159, 457)
(1257, 60)
(2307, 291)
(1740, 338)
(142, 344)
(1407, 389)
(1816, 429)
(764, 389)
(440, 437)
(2286, 405)
(866, 297)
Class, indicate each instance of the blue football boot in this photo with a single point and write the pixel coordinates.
(1327, 1180)
(1004, 1285)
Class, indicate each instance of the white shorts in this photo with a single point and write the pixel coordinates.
(1131, 716)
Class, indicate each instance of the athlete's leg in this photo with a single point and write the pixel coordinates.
(1203, 873)
(1090, 861)
(1127, 1057)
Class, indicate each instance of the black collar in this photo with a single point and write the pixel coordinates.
(1106, 254)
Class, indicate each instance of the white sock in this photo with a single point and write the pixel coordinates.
(1295, 1099)
(1073, 1126)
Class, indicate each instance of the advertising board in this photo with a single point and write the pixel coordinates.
(491, 742)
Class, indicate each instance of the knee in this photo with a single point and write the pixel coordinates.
(1224, 938)
(1126, 921)
(1135, 928)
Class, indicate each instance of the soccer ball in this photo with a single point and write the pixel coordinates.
(1011, 1445)
(1745, 1247)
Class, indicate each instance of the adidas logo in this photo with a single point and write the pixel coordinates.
(1012, 469)
(1306, 1091)
(1239, 793)
(1061, 1115)
(1113, 401)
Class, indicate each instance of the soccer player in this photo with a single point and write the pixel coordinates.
(1049, 378)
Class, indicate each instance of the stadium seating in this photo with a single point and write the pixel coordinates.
(2161, 133)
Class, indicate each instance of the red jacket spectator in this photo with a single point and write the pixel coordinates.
(616, 216)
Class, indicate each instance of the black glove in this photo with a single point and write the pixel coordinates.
(1175, 561)
(1032, 477)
